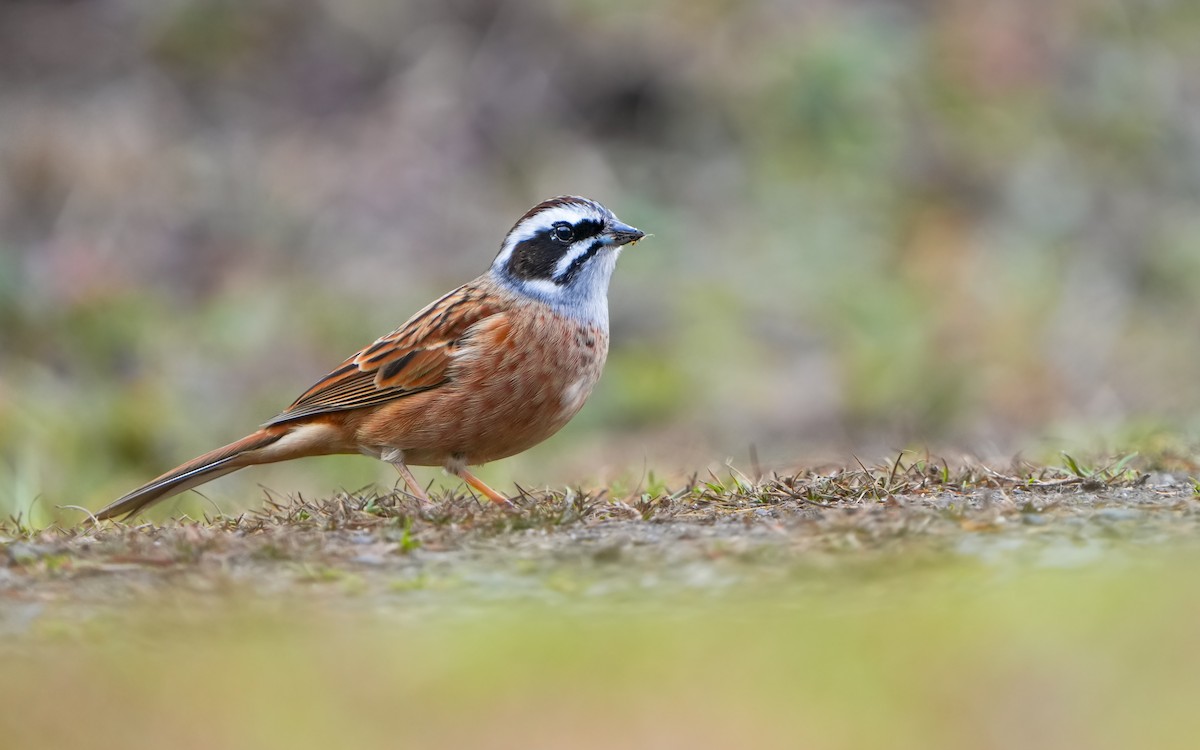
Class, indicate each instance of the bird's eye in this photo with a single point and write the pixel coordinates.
(563, 232)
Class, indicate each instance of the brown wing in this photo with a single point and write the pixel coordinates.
(413, 358)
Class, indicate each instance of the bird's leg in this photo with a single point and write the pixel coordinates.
(458, 467)
(396, 458)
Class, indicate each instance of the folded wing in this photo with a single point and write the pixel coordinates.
(416, 357)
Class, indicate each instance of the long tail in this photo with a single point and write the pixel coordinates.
(199, 470)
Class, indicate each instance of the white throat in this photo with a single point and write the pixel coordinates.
(584, 298)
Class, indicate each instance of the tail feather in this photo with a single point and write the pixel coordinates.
(199, 470)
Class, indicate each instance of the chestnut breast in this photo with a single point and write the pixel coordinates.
(517, 378)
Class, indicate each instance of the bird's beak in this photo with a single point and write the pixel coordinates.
(621, 234)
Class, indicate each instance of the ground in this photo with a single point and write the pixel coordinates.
(906, 605)
(722, 532)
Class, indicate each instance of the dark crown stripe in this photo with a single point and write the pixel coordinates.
(556, 202)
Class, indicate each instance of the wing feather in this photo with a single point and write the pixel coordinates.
(416, 357)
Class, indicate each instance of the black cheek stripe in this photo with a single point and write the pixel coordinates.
(535, 258)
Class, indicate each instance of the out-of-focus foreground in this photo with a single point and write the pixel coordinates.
(906, 606)
(895, 653)
(876, 223)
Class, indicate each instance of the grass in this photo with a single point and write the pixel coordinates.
(909, 604)
(918, 484)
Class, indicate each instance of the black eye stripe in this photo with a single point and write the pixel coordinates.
(580, 230)
(587, 228)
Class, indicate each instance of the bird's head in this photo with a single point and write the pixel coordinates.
(562, 252)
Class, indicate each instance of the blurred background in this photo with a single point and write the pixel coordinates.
(877, 225)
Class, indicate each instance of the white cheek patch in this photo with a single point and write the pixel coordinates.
(577, 250)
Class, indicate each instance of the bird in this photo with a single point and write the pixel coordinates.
(484, 372)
